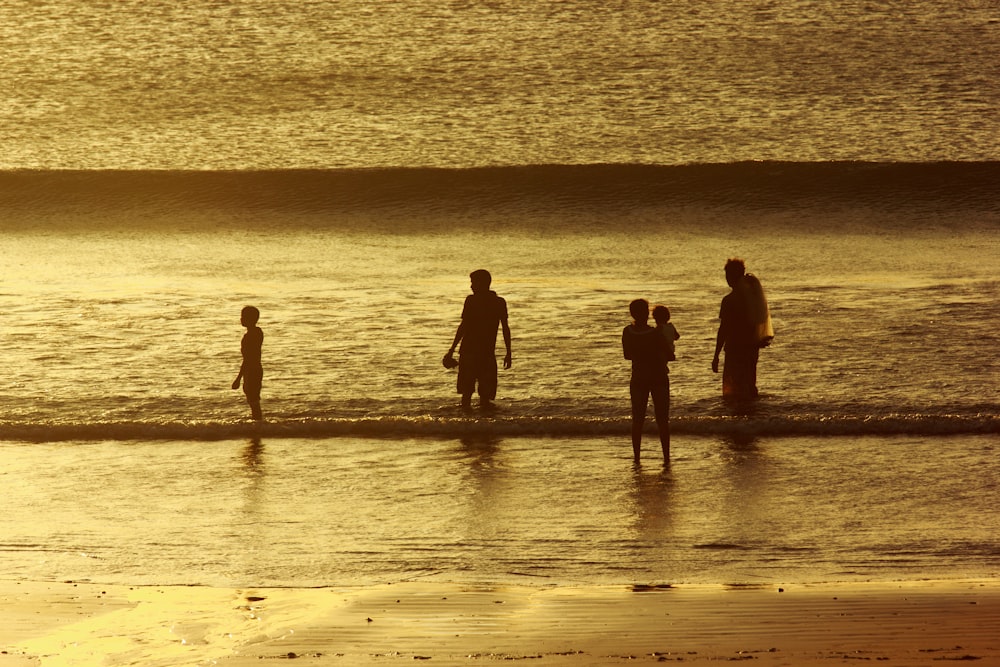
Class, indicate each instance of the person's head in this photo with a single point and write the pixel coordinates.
(735, 269)
(639, 310)
(481, 280)
(661, 314)
(249, 316)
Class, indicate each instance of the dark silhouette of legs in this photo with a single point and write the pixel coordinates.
(640, 401)
(661, 409)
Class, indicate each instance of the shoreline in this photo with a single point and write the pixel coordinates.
(920, 622)
(503, 423)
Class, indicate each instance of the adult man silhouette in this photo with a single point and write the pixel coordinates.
(483, 314)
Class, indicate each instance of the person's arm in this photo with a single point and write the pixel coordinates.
(459, 333)
(720, 341)
(239, 377)
(506, 341)
(723, 335)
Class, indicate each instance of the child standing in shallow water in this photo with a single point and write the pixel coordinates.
(666, 328)
(251, 370)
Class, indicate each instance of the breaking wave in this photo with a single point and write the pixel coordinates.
(502, 426)
(752, 185)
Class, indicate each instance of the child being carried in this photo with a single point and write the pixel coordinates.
(666, 328)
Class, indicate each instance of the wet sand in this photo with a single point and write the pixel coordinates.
(911, 623)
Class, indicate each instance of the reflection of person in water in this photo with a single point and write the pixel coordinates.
(251, 370)
(652, 500)
(744, 328)
(647, 349)
(253, 455)
(484, 312)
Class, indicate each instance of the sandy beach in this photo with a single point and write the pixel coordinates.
(908, 623)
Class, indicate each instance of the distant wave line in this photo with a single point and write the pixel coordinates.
(761, 184)
(500, 426)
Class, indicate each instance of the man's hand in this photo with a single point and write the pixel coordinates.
(715, 365)
(506, 360)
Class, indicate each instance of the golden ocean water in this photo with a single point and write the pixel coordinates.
(406, 144)
(322, 84)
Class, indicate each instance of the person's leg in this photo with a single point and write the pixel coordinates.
(752, 373)
(661, 408)
(739, 374)
(640, 400)
(488, 381)
(252, 382)
(730, 382)
(466, 383)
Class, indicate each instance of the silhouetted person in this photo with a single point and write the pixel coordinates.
(744, 328)
(646, 348)
(251, 370)
(661, 315)
(484, 312)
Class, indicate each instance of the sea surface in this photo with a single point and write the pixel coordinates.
(543, 511)
(326, 84)
(344, 166)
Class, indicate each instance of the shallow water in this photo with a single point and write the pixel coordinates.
(880, 309)
(292, 512)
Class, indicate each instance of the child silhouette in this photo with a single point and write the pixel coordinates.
(251, 370)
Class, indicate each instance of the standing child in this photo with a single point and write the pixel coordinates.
(251, 370)
(669, 332)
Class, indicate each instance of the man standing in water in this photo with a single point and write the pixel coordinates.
(484, 312)
(251, 370)
(647, 349)
(744, 328)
